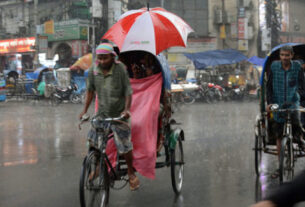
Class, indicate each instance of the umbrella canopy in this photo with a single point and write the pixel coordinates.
(215, 57)
(35, 75)
(152, 30)
(83, 63)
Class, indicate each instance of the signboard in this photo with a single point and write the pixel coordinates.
(84, 47)
(49, 27)
(233, 30)
(17, 45)
(75, 48)
(97, 9)
(43, 44)
(266, 39)
(241, 12)
(79, 47)
(222, 31)
(69, 30)
(242, 28)
(83, 33)
(243, 45)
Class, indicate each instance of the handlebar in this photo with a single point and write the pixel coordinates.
(96, 118)
(275, 108)
(108, 119)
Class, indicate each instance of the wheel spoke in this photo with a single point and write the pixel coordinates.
(258, 154)
(96, 191)
(177, 167)
(286, 161)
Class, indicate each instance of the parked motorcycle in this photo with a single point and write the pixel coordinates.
(237, 93)
(202, 93)
(66, 94)
(217, 91)
(206, 92)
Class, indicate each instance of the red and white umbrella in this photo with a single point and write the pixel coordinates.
(152, 30)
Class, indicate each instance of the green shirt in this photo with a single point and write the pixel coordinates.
(41, 87)
(111, 89)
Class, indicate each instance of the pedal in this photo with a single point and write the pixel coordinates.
(160, 164)
(159, 154)
(121, 173)
(121, 157)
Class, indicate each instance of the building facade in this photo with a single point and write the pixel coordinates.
(292, 21)
(73, 24)
(218, 24)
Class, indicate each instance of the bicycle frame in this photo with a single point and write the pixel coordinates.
(261, 128)
(288, 127)
(287, 131)
(103, 136)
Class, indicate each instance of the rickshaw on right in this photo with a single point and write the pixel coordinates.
(290, 146)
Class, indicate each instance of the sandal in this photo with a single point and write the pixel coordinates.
(134, 183)
(275, 174)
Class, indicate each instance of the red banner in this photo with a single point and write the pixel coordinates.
(17, 45)
(241, 28)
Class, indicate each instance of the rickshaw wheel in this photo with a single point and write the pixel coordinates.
(177, 166)
(188, 98)
(286, 169)
(96, 191)
(258, 154)
(75, 98)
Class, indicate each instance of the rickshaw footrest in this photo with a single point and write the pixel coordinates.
(160, 164)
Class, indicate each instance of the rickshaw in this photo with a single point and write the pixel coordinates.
(264, 143)
(110, 173)
(11, 82)
(2, 88)
(140, 35)
(43, 78)
(17, 85)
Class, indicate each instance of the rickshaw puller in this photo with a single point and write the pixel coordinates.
(302, 103)
(110, 81)
(285, 84)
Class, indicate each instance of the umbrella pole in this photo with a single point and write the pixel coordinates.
(147, 5)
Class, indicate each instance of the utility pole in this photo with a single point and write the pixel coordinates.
(36, 58)
(289, 26)
(273, 22)
(96, 12)
(223, 18)
(162, 3)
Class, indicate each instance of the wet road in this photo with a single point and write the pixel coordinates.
(41, 151)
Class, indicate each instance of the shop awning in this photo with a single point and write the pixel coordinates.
(256, 60)
(215, 57)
